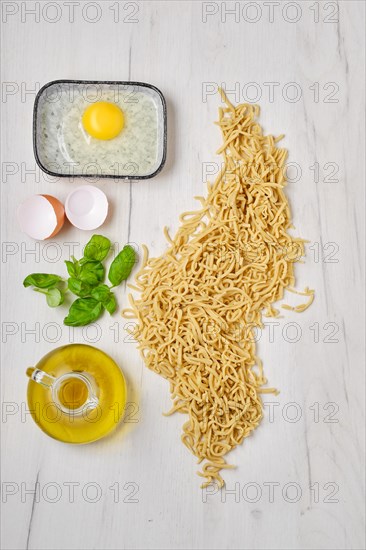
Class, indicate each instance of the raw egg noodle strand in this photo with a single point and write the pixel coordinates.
(201, 300)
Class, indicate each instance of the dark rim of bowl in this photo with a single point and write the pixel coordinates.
(96, 176)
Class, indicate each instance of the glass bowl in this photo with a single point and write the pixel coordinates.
(63, 148)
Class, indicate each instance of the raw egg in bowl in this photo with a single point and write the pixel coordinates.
(103, 120)
(100, 129)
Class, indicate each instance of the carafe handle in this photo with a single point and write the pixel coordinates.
(40, 377)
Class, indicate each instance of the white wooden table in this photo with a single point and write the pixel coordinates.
(299, 481)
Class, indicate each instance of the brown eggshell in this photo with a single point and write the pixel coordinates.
(59, 211)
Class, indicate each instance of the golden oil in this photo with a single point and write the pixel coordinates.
(59, 409)
(73, 393)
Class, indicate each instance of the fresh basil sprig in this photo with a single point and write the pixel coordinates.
(97, 248)
(52, 286)
(78, 287)
(83, 311)
(86, 280)
(42, 280)
(103, 294)
(54, 296)
(122, 265)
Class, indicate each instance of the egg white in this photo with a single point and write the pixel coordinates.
(64, 145)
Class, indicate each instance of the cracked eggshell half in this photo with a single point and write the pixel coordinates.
(86, 207)
(41, 216)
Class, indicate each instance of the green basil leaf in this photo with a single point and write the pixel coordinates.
(42, 280)
(110, 304)
(97, 248)
(54, 297)
(83, 311)
(83, 261)
(122, 265)
(78, 287)
(92, 272)
(101, 293)
(73, 268)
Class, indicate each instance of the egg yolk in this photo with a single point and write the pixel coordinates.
(103, 120)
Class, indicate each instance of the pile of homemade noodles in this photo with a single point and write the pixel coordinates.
(201, 300)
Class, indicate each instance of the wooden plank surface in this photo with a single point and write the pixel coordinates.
(299, 480)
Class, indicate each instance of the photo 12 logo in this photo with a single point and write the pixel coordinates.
(12, 412)
(273, 492)
(90, 92)
(50, 252)
(70, 492)
(70, 12)
(292, 171)
(272, 91)
(269, 12)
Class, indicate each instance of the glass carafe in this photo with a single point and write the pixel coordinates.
(76, 393)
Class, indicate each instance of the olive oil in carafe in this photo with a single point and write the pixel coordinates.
(81, 396)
